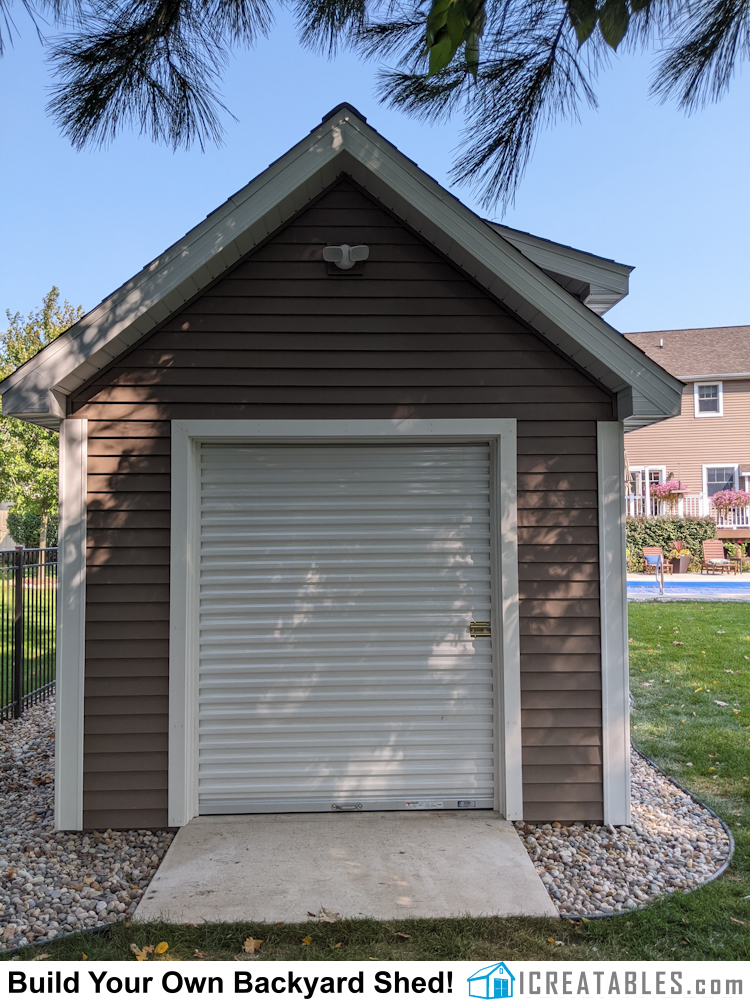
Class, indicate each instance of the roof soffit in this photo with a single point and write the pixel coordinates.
(344, 143)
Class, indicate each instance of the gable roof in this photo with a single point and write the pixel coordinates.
(343, 143)
(705, 352)
(598, 282)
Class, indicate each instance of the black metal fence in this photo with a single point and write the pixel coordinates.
(28, 599)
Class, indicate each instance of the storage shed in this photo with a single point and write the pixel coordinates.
(351, 537)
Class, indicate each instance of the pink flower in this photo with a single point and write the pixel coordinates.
(665, 490)
(725, 499)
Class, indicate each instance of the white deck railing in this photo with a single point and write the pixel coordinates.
(693, 505)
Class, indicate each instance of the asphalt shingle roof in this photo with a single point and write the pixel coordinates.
(708, 351)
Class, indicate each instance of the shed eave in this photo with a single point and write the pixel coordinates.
(343, 143)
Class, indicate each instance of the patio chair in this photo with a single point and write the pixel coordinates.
(654, 558)
(714, 560)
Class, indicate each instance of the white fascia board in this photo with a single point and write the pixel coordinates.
(176, 276)
(609, 280)
(344, 143)
(504, 270)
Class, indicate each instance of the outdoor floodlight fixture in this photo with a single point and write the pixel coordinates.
(345, 256)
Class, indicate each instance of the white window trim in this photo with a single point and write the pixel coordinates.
(696, 387)
(187, 435)
(719, 465)
(71, 626)
(614, 623)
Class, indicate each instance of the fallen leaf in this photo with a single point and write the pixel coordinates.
(84, 956)
(740, 922)
(678, 643)
(551, 940)
(697, 690)
(693, 713)
(251, 945)
(729, 671)
(306, 940)
(40, 958)
(198, 954)
(339, 945)
(161, 948)
(327, 916)
(404, 937)
(141, 954)
(736, 711)
(721, 704)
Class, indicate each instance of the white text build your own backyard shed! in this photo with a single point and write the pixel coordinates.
(297, 497)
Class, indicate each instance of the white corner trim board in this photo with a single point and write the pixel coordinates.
(71, 620)
(614, 623)
(188, 435)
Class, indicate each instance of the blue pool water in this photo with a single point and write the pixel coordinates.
(716, 589)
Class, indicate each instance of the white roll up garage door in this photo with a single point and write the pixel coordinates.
(337, 585)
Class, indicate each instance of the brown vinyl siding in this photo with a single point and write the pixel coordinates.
(279, 337)
(686, 443)
(558, 571)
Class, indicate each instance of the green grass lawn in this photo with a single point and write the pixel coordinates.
(39, 637)
(677, 722)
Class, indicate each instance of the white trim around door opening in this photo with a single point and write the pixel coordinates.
(338, 496)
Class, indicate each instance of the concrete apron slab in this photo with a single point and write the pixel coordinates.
(384, 865)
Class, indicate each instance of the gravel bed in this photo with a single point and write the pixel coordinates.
(673, 845)
(55, 883)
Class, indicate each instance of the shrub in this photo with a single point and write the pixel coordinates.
(665, 531)
(24, 529)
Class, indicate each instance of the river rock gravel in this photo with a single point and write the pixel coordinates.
(55, 883)
(673, 845)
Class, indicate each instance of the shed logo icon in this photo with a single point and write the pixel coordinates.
(492, 981)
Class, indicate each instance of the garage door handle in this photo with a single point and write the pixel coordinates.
(480, 630)
(346, 808)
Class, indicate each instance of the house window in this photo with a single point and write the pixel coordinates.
(709, 399)
(719, 477)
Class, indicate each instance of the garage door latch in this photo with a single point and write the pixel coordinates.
(479, 630)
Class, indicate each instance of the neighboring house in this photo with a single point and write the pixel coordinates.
(707, 447)
(296, 499)
(6, 539)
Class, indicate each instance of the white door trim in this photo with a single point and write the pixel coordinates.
(71, 626)
(187, 435)
(614, 623)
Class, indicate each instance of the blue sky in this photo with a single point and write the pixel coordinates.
(634, 180)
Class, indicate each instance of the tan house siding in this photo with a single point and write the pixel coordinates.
(278, 337)
(686, 443)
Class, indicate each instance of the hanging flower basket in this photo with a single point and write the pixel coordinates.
(671, 490)
(726, 499)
